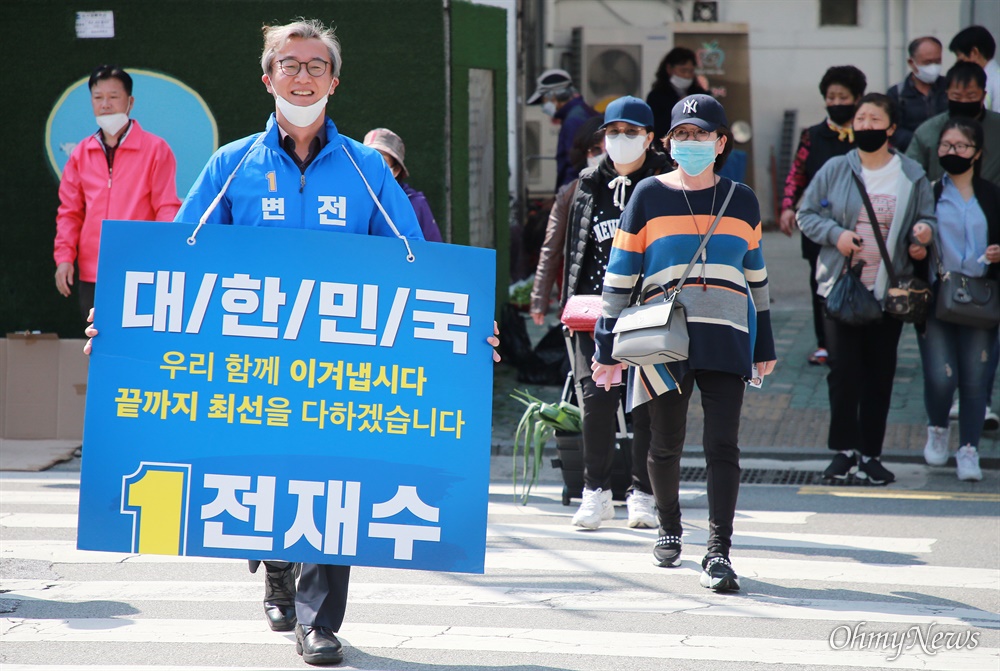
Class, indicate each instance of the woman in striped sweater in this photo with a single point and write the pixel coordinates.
(726, 300)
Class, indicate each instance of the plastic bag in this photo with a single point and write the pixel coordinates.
(849, 302)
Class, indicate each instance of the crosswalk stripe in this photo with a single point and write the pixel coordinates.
(451, 596)
(760, 539)
(561, 561)
(38, 520)
(765, 539)
(552, 491)
(47, 478)
(493, 639)
(135, 667)
(559, 510)
(21, 497)
(538, 579)
(65, 552)
(764, 569)
(877, 493)
(8, 497)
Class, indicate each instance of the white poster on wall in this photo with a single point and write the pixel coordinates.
(95, 24)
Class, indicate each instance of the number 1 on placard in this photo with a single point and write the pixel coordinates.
(156, 496)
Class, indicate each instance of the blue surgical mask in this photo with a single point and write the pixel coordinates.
(549, 108)
(693, 157)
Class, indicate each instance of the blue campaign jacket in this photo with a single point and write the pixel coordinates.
(268, 189)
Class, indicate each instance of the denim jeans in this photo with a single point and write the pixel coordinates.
(957, 357)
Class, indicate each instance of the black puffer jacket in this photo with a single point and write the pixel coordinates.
(569, 226)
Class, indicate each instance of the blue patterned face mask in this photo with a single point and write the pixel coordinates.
(693, 157)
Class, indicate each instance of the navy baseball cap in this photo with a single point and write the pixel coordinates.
(630, 110)
(702, 110)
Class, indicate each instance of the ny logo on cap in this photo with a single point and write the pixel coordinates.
(691, 107)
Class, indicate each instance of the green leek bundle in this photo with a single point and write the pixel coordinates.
(539, 423)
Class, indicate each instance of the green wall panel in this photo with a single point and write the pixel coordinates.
(479, 40)
(393, 76)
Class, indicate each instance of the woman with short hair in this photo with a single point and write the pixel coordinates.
(841, 87)
(834, 215)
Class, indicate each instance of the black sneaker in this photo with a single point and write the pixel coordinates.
(667, 551)
(874, 472)
(841, 466)
(719, 575)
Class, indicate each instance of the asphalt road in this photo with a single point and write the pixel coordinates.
(918, 559)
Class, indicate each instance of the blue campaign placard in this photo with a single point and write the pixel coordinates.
(269, 393)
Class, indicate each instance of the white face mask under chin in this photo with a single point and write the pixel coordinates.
(300, 116)
(112, 123)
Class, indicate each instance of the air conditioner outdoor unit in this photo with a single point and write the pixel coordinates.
(618, 61)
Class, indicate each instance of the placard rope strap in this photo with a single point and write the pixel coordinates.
(215, 203)
(409, 252)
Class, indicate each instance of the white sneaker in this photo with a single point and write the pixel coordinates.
(936, 449)
(953, 413)
(641, 510)
(992, 421)
(967, 459)
(597, 505)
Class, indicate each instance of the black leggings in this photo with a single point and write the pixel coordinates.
(810, 252)
(722, 400)
(600, 423)
(85, 291)
(862, 368)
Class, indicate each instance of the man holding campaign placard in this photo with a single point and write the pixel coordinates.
(286, 181)
(301, 173)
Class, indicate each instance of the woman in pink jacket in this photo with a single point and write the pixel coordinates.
(119, 172)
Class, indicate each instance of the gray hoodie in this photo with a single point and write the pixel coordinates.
(832, 203)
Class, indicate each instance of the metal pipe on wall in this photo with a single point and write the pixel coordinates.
(448, 236)
(888, 41)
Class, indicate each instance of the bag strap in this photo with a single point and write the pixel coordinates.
(875, 227)
(704, 241)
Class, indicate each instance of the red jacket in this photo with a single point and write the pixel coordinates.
(143, 188)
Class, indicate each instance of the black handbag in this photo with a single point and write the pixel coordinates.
(968, 301)
(850, 302)
(908, 298)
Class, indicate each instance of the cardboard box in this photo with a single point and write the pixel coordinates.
(44, 387)
(3, 387)
(73, 367)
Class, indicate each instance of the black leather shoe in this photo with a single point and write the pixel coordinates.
(318, 645)
(279, 598)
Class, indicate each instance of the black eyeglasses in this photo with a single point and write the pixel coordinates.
(959, 147)
(630, 133)
(291, 67)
